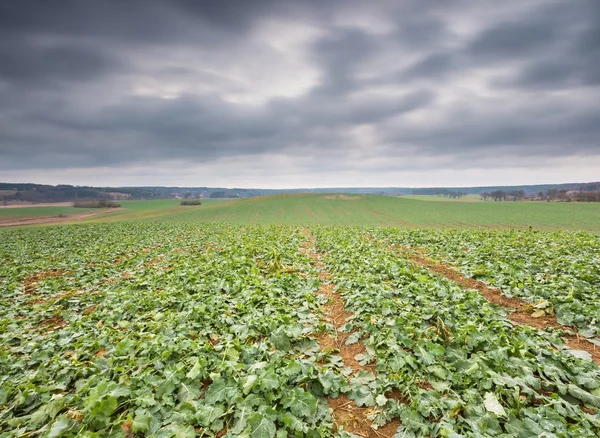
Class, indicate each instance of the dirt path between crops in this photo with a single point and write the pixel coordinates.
(519, 315)
(351, 417)
(50, 219)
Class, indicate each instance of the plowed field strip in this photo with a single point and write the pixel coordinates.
(351, 417)
(518, 316)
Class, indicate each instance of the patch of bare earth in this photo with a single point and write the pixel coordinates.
(347, 414)
(51, 219)
(30, 282)
(519, 316)
(51, 324)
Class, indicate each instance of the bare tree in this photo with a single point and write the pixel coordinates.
(498, 195)
(517, 194)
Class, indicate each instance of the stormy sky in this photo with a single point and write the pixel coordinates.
(313, 93)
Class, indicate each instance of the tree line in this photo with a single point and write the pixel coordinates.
(503, 195)
(586, 193)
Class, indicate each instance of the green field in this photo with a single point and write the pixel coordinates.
(250, 318)
(371, 210)
(366, 210)
(130, 210)
(183, 330)
(32, 212)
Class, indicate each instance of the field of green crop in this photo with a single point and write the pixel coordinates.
(368, 210)
(187, 329)
(558, 273)
(364, 210)
(32, 212)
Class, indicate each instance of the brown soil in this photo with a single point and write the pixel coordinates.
(51, 324)
(51, 219)
(519, 316)
(347, 414)
(31, 281)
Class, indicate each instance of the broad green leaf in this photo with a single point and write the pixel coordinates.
(207, 414)
(381, 400)
(195, 371)
(182, 430)
(281, 340)
(492, 404)
(141, 423)
(362, 396)
(261, 426)
(221, 390)
(301, 403)
(249, 382)
(60, 425)
(583, 395)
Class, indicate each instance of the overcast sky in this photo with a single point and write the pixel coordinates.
(275, 93)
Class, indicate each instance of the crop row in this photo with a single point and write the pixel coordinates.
(208, 330)
(161, 330)
(559, 272)
(461, 366)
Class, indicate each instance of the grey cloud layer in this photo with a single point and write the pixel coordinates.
(346, 84)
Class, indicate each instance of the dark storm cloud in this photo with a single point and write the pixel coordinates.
(434, 66)
(99, 83)
(514, 39)
(577, 64)
(38, 66)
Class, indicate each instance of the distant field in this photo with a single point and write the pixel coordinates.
(368, 210)
(31, 212)
(468, 198)
(130, 210)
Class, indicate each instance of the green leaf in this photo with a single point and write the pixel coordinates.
(59, 426)
(269, 380)
(294, 423)
(281, 340)
(301, 403)
(188, 393)
(182, 430)
(3, 395)
(221, 390)
(492, 404)
(249, 382)
(583, 395)
(120, 391)
(241, 419)
(331, 382)
(141, 423)
(195, 371)
(206, 415)
(353, 338)
(261, 426)
(381, 400)
(362, 396)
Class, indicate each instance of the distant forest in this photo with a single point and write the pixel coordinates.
(37, 193)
